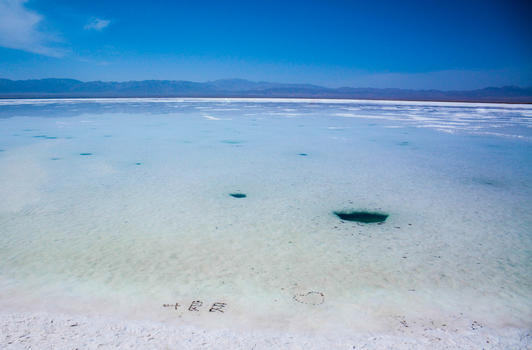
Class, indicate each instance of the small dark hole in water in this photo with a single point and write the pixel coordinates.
(361, 216)
(55, 158)
(488, 182)
(85, 154)
(138, 163)
(303, 154)
(238, 195)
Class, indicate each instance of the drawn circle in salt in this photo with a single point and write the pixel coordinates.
(310, 298)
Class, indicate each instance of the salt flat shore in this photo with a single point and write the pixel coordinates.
(60, 331)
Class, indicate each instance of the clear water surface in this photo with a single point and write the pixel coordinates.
(118, 206)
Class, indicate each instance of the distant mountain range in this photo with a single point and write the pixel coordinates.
(56, 88)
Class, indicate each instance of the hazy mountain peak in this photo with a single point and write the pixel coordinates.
(51, 87)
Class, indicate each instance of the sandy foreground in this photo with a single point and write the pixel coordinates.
(60, 331)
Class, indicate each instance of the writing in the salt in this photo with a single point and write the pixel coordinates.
(196, 306)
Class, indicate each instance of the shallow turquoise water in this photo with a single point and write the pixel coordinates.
(120, 206)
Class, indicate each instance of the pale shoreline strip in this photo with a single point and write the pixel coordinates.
(59, 331)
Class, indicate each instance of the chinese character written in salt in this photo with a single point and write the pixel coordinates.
(217, 307)
(195, 305)
(171, 305)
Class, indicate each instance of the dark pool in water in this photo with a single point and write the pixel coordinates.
(361, 216)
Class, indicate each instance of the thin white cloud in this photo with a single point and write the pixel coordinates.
(19, 29)
(97, 24)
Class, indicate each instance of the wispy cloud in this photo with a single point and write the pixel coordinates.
(19, 29)
(97, 24)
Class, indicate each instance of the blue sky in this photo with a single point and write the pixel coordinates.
(408, 44)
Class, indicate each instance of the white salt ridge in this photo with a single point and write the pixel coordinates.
(314, 102)
(210, 117)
